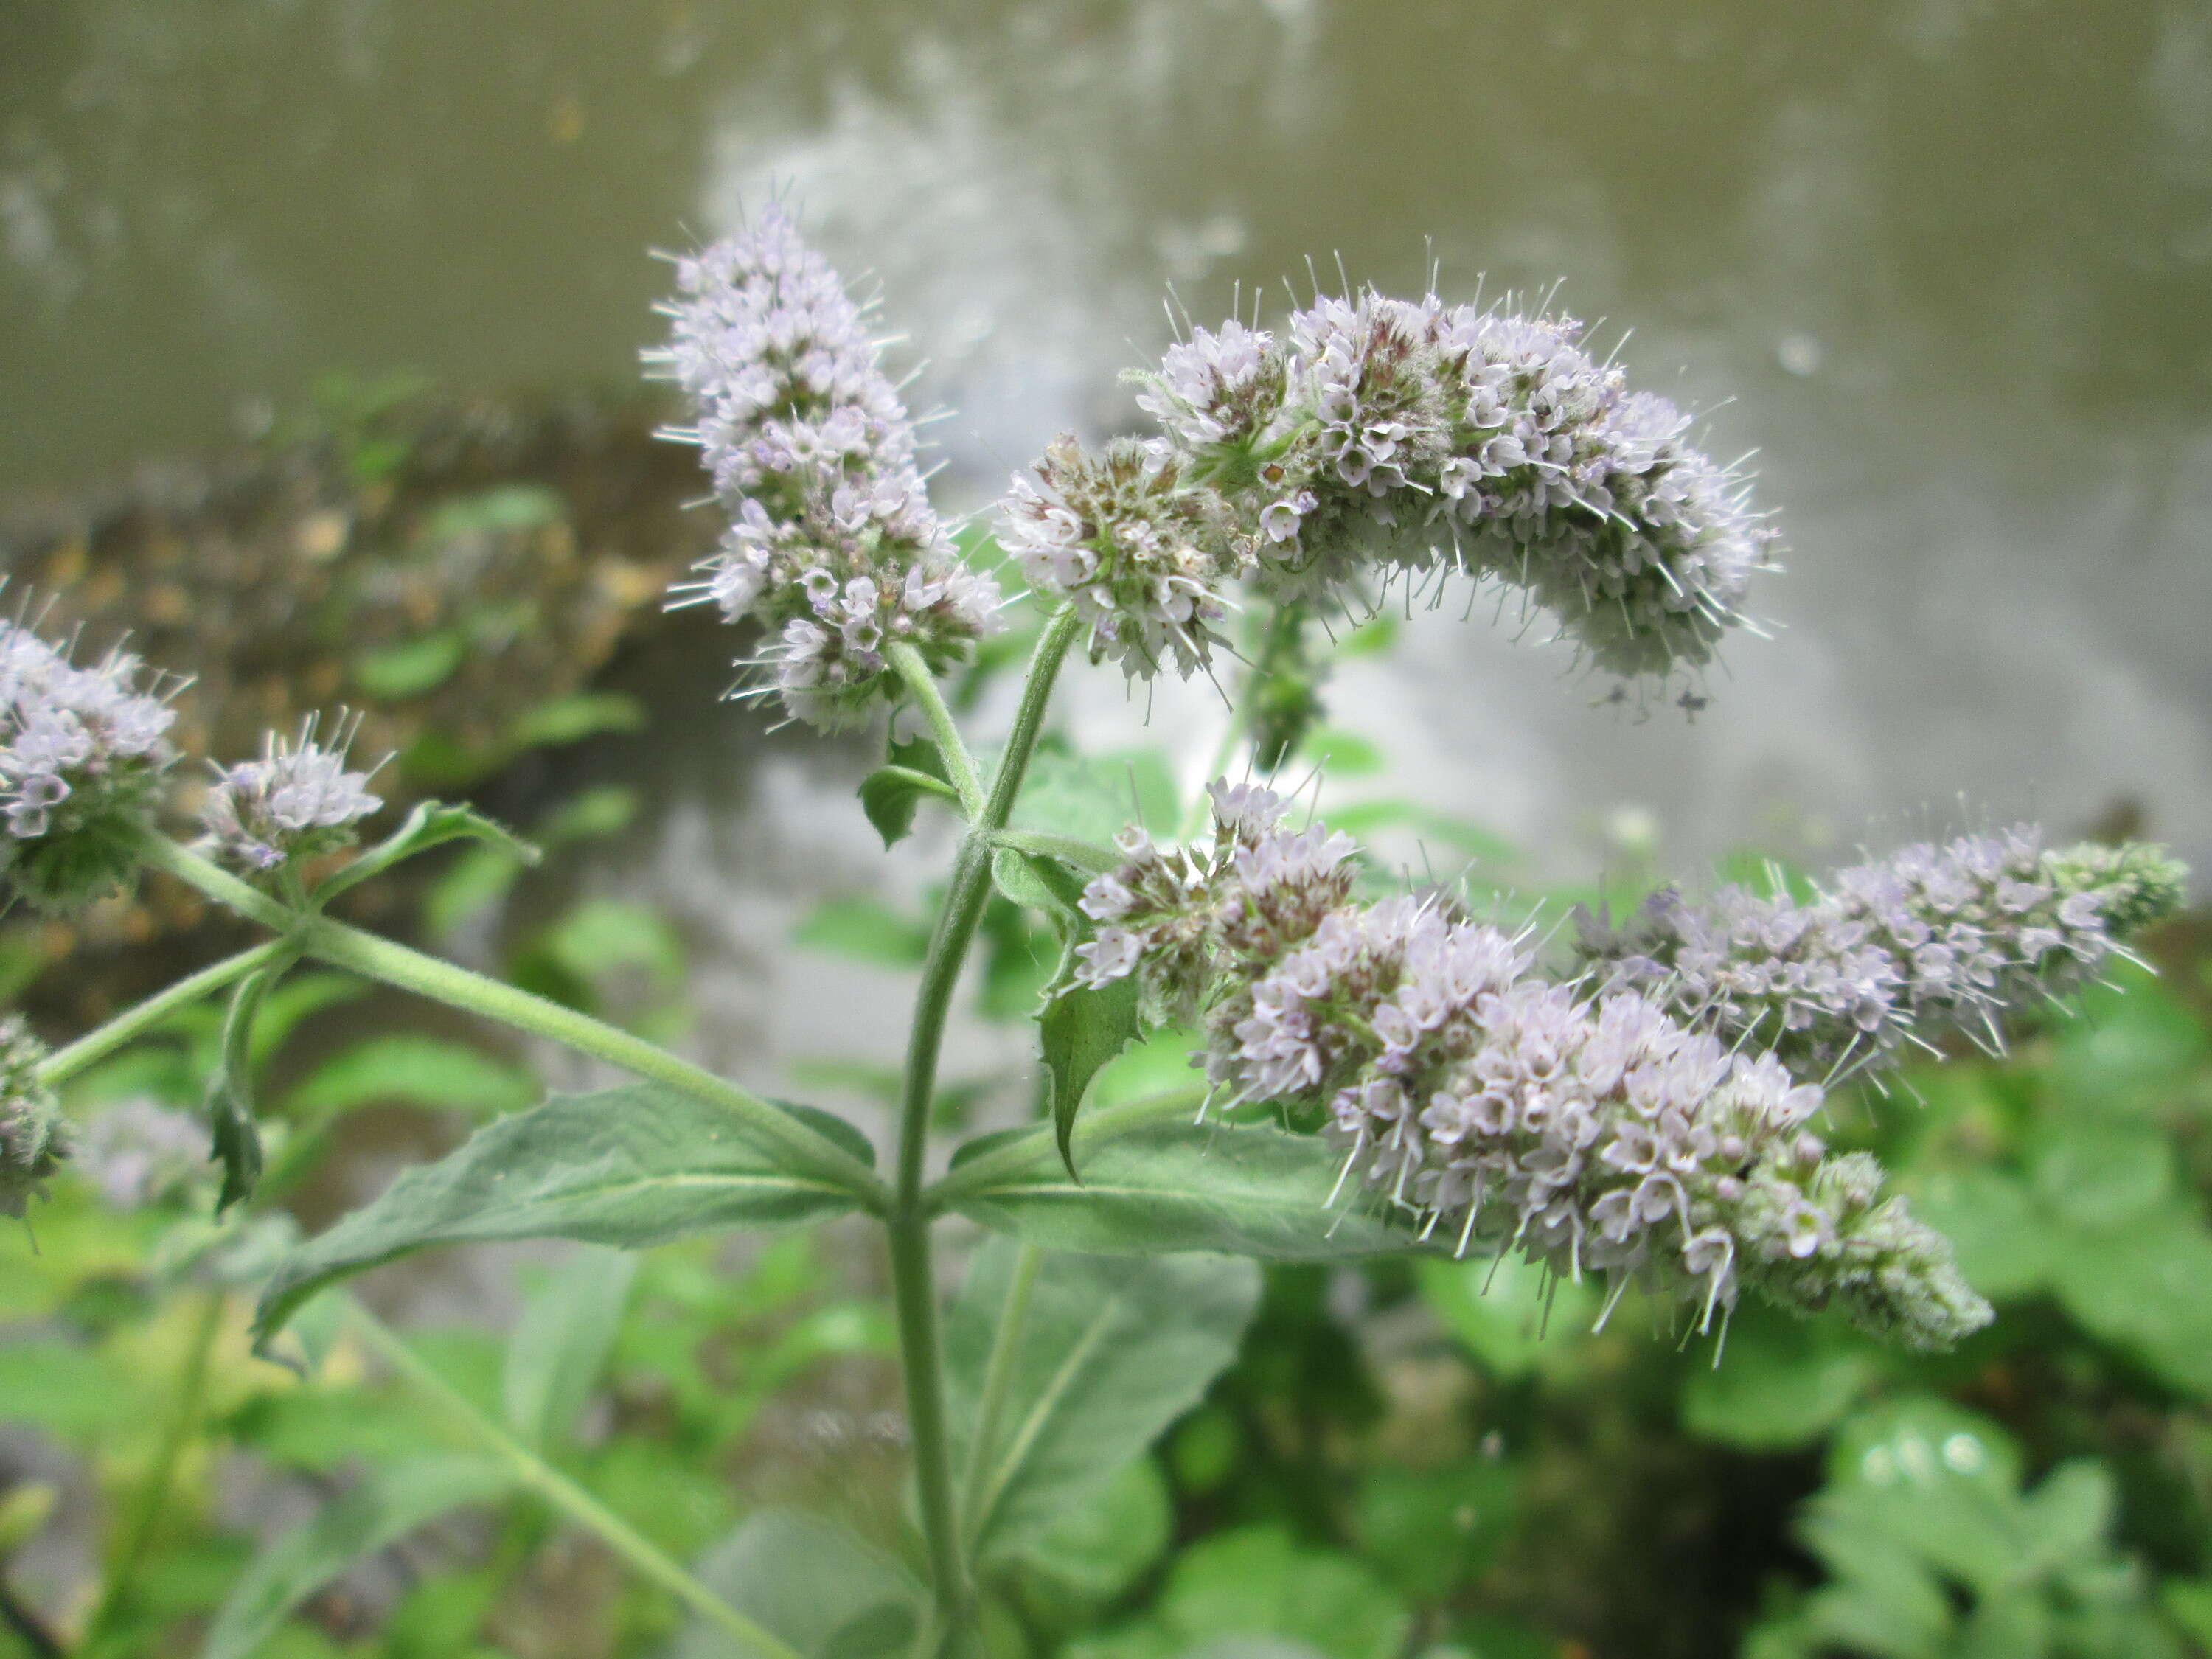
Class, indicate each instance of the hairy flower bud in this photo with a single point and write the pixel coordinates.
(297, 802)
(34, 1138)
(833, 547)
(82, 750)
(1134, 551)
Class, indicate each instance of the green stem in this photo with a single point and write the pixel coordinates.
(379, 959)
(566, 1495)
(998, 1374)
(95, 1045)
(958, 761)
(154, 1496)
(913, 1281)
(1284, 625)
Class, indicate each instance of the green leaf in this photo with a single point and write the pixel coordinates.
(2101, 1172)
(561, 1343)
(2004, 1245)
(810, 1581)
(1113, 1351)
(422, 1071)
(390, 1502)
(1514, 1316)
(866, 929)
(572, 717)
(2147, 1289)
(1087, 856)
(230, 1095)
(411, 668)
(1339, 753)
(629, 1167)
(1777, 1381)
(503, 509)
(890, 794)
(1258, 1580)
(1252, 1190)
(1095, 1550)
(1039, 883)
(1428, 1531)
(1471, 840)
(1081, 1029)
(431, 823)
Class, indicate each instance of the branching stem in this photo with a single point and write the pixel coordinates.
(913, 1281)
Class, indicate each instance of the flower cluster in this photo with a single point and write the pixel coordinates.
(1931, 939)
(138, 1152)
(297, 802)
(34, 1137)
(1138, 555)
(80, 751)
(1385, 435)
(1595, 1134)
(833, 545)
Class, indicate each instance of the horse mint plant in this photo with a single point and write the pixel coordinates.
(1383, 1072)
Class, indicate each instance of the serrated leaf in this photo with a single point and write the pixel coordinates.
(1254, 1190)
(1113, 1350)
(431, 823)
(1081, 1028)
(561, 1343)
(237, 1136)
(389, 1503)
(630, 1167)
(809, 1582)
(890, 794)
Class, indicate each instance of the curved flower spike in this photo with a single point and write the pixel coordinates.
(1499, 1110)
(1382, 436)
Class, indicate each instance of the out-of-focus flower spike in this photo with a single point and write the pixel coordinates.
(82, 753)
(34, 1137)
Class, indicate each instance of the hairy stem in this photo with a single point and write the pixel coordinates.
(998, 1376)
(95, 1045)
(958, 763)
(381, 958)
(913, 1281)
(566, 1495)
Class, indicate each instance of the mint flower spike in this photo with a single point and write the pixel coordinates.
(1931, 939)
(34, 1137)
(81, 754)
(298, 801)
(1497, 1110)
(1386, 436)
(833, 547)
